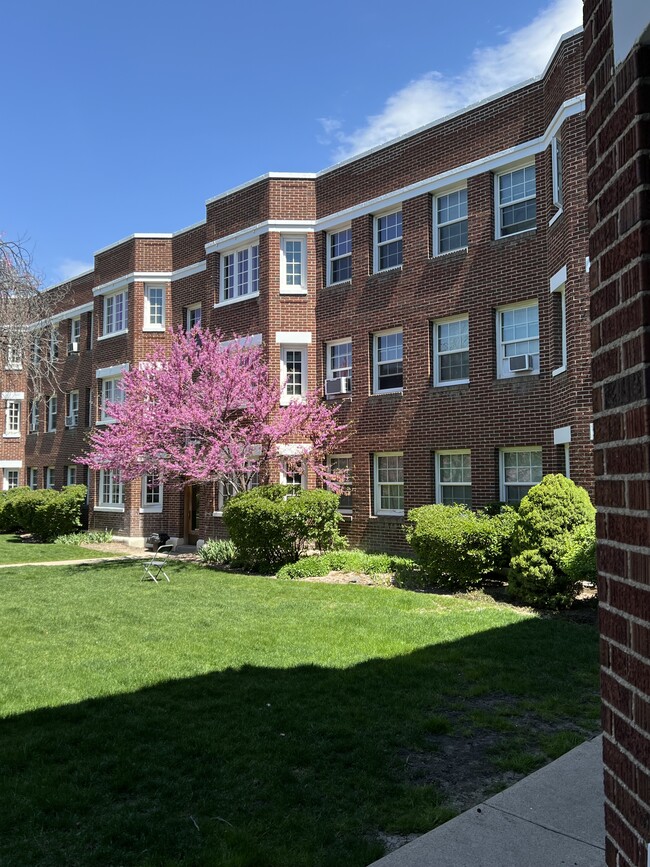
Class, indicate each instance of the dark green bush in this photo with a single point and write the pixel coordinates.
(269, 527)
(8, 522)
(550, 541)
(579, 562)
(457, 548)
(47, 514)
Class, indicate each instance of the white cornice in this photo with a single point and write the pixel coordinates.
(73, 311)
(188, 228)
(249, 234)
(132, 237)
(133, 277)
(115, 370)
(189, 270)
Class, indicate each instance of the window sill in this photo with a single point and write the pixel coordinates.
(228, 301)
(516, 234)
(396, 514)
(13, 367)
(102, 421)
(156, 329)
(347, 282)
(287, 401)
(109, 508)
(381, 392)
(113, 334)
(292, 290)
(556, 215)
(559, 370)
(448, 253)
(217, 514)
(150, 510)
(451, 383)
(387, 270)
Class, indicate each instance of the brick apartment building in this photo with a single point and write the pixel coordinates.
(436, 286)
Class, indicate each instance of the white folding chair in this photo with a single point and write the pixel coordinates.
(154, 568)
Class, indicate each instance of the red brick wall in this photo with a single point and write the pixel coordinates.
(619, 219)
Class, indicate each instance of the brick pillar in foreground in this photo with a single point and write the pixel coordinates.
(617, 73)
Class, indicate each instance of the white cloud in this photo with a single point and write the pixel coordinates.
(69, 268)
(522, 55)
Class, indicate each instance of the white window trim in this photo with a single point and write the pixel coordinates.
(438, 383)
(375, 240)
(51, 398)
(32, 478)
(147, 325)
(49, 474)
(497, 200)
(293, 289)
(14, 363)
(283, 476)
(34, 416)
(556, 178)
(330, 260)
(68, 408)
(105, 335)
(103, 417)
(108, 507)
(436, 226)
(329, 463)
(329, 373)
(502, 371)
(377, 487)
(233, 251)
(439, 485)
(5, 477)
(149, 508)
(11, 433)
(286, 399)
(558, 285)
(375, 362)
(502, 474)
(190, 309)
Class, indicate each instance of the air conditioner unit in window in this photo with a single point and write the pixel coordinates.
(521, 363)
(71, 420)
(73, 346)
(337, 386)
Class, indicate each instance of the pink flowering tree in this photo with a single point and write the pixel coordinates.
(208, 411)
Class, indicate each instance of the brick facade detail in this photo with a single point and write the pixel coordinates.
(485, 414)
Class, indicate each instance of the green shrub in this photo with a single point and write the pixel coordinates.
(345, 561)
(553, 530)
(47, 514)
(579, 562)
(270, 528)
(8, 521)
(218, 552)
(89, 537)
(457, 548)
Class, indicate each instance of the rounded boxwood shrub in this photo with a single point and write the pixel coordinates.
(556, 520)
(456, 547)
(8, 521)
(272, 524)
(47, 514)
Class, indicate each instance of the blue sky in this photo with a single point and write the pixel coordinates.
(126, 117)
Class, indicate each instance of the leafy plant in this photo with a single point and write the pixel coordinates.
(89, 537)
(218, 552)
(551, 543)
(345, 561)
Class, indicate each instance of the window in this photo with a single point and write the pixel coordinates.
(111, 393)
(339, 256)
(558, 290)
(154, 307)
(389, 484)
(54, 344)
(192, 317)
(515, 205)
(520, 470)
(48, 478)
(115, 313)
(294, 475)
(71, 475)
(32, 478)
(36, 351)
(152, 494)
(338, 365)
(454, 477)
(450, 222)
(343, 464)
(12, 418)
(388, 241)
(240, 273)
(293, 365)
(451, 351)
(33, 416)
(10, 479)
(72, 409)
(75, 335)
(387, 369)
(14, 357)
(518, 340)
(110, 491)
(293, 252)
(51, 412)
(556, 153)
(227, 490)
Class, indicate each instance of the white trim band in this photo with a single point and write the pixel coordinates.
(293, 336)
(106, 372)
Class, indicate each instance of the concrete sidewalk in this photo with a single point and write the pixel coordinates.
(553, 817)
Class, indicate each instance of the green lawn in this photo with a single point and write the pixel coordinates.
(242, 721)
(13, 550)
